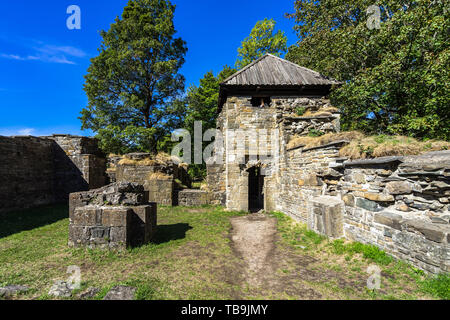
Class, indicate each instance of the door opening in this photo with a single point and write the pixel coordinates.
(255, 189)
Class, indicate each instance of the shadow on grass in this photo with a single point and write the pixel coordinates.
(167, 233)
(29, 219)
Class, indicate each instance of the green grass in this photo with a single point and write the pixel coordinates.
(300, 111)
(192, 258)
(370, 252)
(357, 257)
(438, 286)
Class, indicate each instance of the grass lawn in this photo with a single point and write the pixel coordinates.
(193, 257)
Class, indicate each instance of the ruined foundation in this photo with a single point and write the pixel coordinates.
(117, 216)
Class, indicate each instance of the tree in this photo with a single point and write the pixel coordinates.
(202, 103)
(395, 76)
(262, 40)
(132, 84)
(203, 99)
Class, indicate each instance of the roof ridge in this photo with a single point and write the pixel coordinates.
(303, 71)
(245, 68)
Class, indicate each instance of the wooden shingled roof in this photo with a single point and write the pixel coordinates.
(273, 71)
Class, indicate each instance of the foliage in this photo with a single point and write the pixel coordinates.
(202, 103)
(300, 111)
(315, 133)
(262, 40)
(133, 83)
(202, 100)
(396, 78)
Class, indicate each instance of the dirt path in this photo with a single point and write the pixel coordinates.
(253, 237)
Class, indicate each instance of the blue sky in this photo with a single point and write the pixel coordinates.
(42, 62)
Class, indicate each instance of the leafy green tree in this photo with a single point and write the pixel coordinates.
(396, 77)
(262, 40)
(202, 103)
(133, 83)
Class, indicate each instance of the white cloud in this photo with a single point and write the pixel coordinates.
(39, 132)
(26, 132)
(17, 131)
(49, 53)
(54, 50)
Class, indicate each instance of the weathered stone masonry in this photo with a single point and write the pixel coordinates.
(113, 217)
(400, 204)
(45, 170)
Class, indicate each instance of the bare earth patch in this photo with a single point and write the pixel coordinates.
(253, 237)
(275, 270)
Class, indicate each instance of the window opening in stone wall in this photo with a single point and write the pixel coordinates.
(261, 102)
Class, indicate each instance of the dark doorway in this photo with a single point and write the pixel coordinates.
(255, 190)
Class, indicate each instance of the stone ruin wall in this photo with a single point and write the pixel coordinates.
(116, 216)
(160, 180)
(39, 171)
(26, 172)
(400, 204)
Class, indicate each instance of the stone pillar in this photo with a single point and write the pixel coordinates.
(325, 216)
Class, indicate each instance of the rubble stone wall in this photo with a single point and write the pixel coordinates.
(400, 204)
(193, 198)
(45, 170)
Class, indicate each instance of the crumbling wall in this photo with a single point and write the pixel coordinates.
(193, 198)
(44, 170)
(26, 172)
(116, 216)
(161, 179)
(79, 165)
(400, 204)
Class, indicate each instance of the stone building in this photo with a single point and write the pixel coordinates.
(261, 107)
(399, 204)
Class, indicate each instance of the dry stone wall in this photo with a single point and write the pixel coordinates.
(193, 198)
(160, 180)
(400, 204)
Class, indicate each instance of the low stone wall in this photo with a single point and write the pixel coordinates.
(113, 217)
(193, 198)
(44, 170)
(400, 204)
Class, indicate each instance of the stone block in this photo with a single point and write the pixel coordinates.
(368, 205)
(116, 216)
(399, 187)
(431, 232)
(87, 216)
(191, 198)
(388, 219)
(325, 216)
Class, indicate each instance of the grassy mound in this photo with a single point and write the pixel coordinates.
(363, 147)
